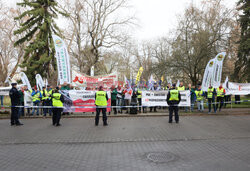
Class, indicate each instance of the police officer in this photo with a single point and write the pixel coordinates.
(57, 102)
(14, 96)
(173, 99)
(101, 99)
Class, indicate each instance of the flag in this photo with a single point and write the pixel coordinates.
(178, 83)
(139, 75)
(62, 57)
(217, 72)
(25, 80)
(39, 82)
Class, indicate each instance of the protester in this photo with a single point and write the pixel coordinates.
(154, 88)
(192, 97)
(173, 100)
(50, 92)
(114, 98)
(227, 100)
(21, 102)
(220, 97)
(15, 101)
(199, 99)
(65, 86)
(119, 99)
(139, 97)
(57, 102)
(181, 87)
(45, 101)
(127, 96)
(211, 92)
(36, 98)
(101, 101)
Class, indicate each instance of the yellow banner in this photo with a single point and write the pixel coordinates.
(139, 75)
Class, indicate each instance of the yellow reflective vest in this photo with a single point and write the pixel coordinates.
(220, 92)
(36, 97)
(45, 92)
(56, 100)
(210, 93)
(101, 98)
(174, 95)
(181, 88)
(139, 96)
(198, 94)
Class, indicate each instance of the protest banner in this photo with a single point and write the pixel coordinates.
(4, 91)
(28, 99)
(217, 70)
(62, 57)
(92, 83)
(237, 88)
(25, 80)
(158, 98)
(207, 77)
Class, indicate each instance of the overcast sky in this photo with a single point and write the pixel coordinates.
(156, 17)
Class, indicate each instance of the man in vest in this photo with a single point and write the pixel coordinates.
(139, 95)
(220, 97)
(101, 101)
(45, 100)
(14, 97)
(50, 92)
(211, 92)
(199, 98)
(181, 87)
(173, 100)
(57, 102)
(36, 97)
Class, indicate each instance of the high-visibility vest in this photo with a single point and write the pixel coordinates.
(198, 94)
(139, 96)
(174, 95)
(210, 93)
(36, 97)
(46, 94)
(220, 92)
(56, 100)
(101, 98)
(181, 88)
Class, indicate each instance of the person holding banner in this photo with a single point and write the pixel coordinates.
(57, 102)
(36, 97)
(15, 101)
(220, 97)
(101, 101)
(211, 92)
(199, 99)
(173, 100)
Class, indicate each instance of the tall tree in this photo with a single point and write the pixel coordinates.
(39, 27)
(242, 65)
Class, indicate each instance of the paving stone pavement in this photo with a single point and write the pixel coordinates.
(128, 143)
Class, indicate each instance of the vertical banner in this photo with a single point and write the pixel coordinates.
(62, 56)
(217, 72)
(207, 77)
(139, 75)
(25, 80)
(39, 82)
(92, 71)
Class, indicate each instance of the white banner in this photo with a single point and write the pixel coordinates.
(4, 91)
(158, 98)
(27, 99)
(237, 88)
(25, 80)
(39, 82)
(62, 56)
(207, 77)
(217, 71)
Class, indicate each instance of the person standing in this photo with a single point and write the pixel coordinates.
(36, 97)
(101, 101)
(50, 92)
(211, 92)
(139, 97)
(220, 97)
(173, 100)
(15, 97)
(45, 101)
(119, 98)
(154, 88)
(21, 100)
(127, 96)
(113, 98)
(181, 87)
(192, 97)
(1, 98)
(199, 99)
(57, 102)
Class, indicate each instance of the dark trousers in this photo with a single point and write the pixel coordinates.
(104, 116)
(45, 110)
(219, 100)
(173, 109)
(151, 108)
(113, 103)
(210, 101)
(140, 103)
(14, 115)
(56, 115)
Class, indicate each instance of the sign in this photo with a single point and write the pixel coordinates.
(92, 83)
(62, 57)
(158, 98)
(28, 99)
(237, 88)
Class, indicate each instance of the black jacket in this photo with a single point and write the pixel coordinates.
(14, 96)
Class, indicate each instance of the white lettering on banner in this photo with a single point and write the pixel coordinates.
(28, 99)
(237, 88)
(158, 98)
